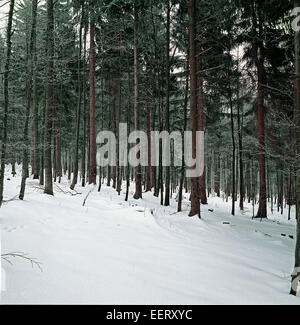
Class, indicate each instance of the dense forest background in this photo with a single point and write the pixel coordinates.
(72, 68)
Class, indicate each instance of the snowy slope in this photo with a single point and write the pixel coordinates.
(116, 252)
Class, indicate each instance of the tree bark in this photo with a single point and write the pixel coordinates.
(119, 116)
(42, 174)
(217, 171)
(75, 174)
(182, 175)
(259, 61)
(92, 164)
(240, 139)
(29, 101)
(167, 112)
(195, 203)
(114, 103)
(83, 162)
(233, 155)
(6, 98)
(35, 96)
(202, 180)
(296, 273)
(138, 171)
(128, 131)
(148, 126)
(49, 99)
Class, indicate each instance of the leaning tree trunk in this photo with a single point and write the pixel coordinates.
(49, 99)
(195, 203)
(138, 171)
(6, 98)
(296, 273)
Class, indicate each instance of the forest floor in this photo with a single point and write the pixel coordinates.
(138, 252)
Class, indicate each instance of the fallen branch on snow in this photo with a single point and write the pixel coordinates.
(90, 191)
(67, 192)
(7, 257)
(15, 198)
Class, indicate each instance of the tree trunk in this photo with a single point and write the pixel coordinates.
(167, 112)
(54, 135)
(240, 139)
(259, 60)
(83, 162)
(92, 164)
(138, 171)
(75, 174)
(296, 273)
(195, 203)
(182, 175)
(29, 97)
(6, 98)
(200, 114)
(49, 99)
(128, 131)
(58, 150)
(119, 116)
(233, 154)
(114, 102)
(148, 126)
(35, 96)
(13, 164)
(217, 171)
(202, 180)
(42, 174)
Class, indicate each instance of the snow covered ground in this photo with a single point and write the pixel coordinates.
(137, 252)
